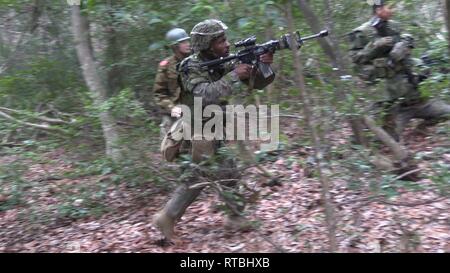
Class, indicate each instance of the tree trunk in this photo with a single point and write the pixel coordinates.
(80, 27)
(331, 49)
(304, 96)
(316, 26)
(447, 20)
(35, 13)
(270, 88)
(272, 95)
(341, 63)
(113, 53)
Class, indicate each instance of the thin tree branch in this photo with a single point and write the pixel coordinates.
(415, 204)
(34, 125)
(398, 150)
(41, 118)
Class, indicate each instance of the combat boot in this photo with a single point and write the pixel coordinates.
(166, 218)
(164, 223)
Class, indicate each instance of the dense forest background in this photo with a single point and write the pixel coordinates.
(80, 168)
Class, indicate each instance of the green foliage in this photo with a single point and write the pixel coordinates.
(130, 171)
(124, 105)
(391, 188)
(129, 42)
(43, 81)
(438, 82)
(87, 201)
(441, 177)
(78, 201)
(12, 185)
(12, 3)
(137, 174)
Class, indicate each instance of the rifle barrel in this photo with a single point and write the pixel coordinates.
(268, 45)
(323, 33)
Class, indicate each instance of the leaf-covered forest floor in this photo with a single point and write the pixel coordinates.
(288, 217)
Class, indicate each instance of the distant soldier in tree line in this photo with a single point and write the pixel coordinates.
(380, 51)
(214, 87)
(166, 88)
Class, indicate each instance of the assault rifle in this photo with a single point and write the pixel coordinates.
(251, 51)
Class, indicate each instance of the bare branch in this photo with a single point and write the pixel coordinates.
(415, 204)
(315, 137)
(41, 118)
(34, 125)
(405, 174)
(399, 151)
(211, 183)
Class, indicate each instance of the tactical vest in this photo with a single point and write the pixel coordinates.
(364, 37)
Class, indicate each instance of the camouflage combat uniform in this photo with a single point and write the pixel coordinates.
(374, 60)
(166, 90)
(214, 87)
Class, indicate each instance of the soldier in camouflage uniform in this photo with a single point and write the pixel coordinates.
(380, 51)
(165, 88)
(214, 87)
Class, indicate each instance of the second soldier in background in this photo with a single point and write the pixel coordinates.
(166, 88)
(380, 51)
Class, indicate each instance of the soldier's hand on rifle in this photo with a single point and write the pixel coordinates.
(243, 71)
(267, 58)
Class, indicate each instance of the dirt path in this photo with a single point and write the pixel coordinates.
(289, 217)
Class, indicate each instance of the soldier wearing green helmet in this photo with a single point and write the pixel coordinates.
(165, 88)
(380, 51)
(214, 87)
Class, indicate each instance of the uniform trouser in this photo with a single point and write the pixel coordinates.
(181, 199)
(398, 116)
(184, 196)
(166, 122)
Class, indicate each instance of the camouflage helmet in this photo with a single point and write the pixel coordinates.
(176, 35)
(206, 31)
